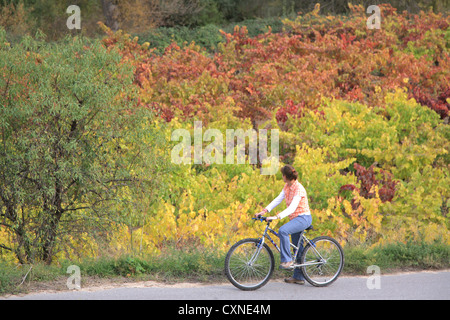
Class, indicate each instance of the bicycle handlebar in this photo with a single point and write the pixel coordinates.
(261, 218)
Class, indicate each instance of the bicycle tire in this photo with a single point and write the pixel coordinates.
(328, 272)
(243, 274)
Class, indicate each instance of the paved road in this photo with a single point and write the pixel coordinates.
(411, 286)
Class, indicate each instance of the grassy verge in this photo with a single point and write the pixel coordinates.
(200, 266)
(398, 257)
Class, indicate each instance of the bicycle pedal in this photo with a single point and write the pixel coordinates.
(292, 266)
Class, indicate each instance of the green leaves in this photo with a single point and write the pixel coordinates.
(67, 137)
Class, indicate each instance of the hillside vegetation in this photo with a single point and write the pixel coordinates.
(86, 126)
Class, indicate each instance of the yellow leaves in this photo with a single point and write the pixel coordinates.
(316, 10)
(103, 27)
(6, 239)
(359, 220)
(184, 225)
(369, 209)
(433, 232)
(348, 209)
(378, 89)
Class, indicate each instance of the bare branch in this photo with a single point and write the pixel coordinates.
(5, 247)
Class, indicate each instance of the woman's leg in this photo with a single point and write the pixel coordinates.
(298, 274)
(296, 225)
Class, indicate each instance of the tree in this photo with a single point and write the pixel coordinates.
(140, 15)
(111, 13)
(71, 135)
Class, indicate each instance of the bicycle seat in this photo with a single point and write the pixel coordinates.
(310, 228)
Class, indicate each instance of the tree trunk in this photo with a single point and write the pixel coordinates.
(111, 13)
(49, 242)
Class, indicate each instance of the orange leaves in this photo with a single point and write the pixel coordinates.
(346, 40)
(250, 89)
(316, 57)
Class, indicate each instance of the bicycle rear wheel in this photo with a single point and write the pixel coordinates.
(329, 253)
(248, 265)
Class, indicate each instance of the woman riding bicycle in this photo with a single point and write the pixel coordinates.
(299, 215)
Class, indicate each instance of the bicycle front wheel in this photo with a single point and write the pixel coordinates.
(249, 265)
(326, 261)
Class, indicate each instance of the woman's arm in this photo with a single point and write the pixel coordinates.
(291, 209)
(275, 202)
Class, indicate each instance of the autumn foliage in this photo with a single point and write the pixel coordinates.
(316, 56)
(363, 115)
(372, 105)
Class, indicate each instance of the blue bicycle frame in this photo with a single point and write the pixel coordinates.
(296, 248)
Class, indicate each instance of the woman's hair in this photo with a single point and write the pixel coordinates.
(289, 172)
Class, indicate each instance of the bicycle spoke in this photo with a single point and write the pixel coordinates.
(247, 266)
(328, 253)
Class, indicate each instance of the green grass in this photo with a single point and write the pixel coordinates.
(398, 256)
(172, 264)
(194, 264)
(13, 277)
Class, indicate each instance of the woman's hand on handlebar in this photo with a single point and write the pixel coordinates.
(257, 215)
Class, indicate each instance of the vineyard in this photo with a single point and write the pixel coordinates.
(362, 114)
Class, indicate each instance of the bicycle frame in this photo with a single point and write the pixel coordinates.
(301, 238)
(250, 262)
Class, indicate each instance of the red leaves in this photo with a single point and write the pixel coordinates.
(368, 178)
(346, 40)
(142, 74)
(323, 58)
(348, 187)
(163, 111)
(440, 104)
(296, 110)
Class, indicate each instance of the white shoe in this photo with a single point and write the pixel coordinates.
(286, 265)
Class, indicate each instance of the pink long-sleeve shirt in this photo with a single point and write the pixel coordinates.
(296, 201)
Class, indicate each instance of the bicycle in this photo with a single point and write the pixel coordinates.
(249, 263)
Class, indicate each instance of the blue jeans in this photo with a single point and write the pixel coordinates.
(293, 228)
